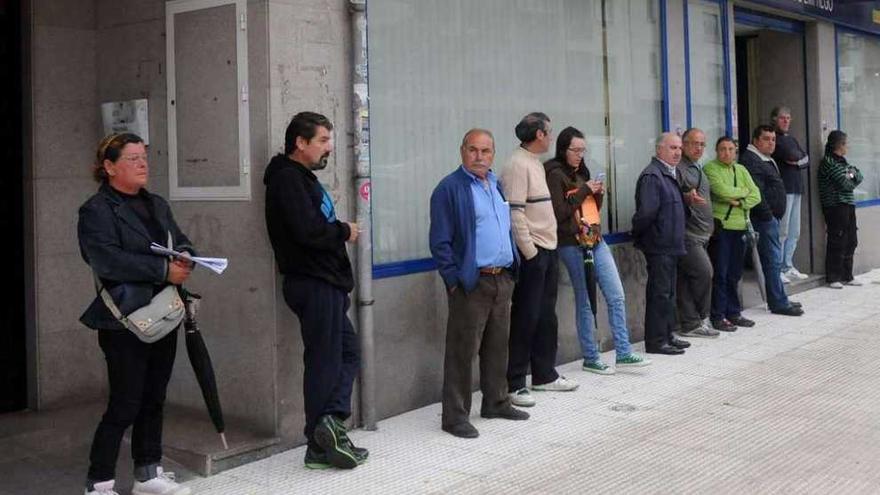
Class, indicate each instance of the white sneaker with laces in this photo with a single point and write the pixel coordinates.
(162, 484)
(784, 278)
(103, 488)
(560, 384)
(522, 398)
(793, 274)
(835, 285)
(854, 283)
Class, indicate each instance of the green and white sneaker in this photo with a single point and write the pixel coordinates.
(597, 367)
(632, 360)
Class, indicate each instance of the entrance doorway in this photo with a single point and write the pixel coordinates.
(770, 72)
(13, 386)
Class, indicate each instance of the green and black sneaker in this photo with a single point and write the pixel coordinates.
(329, 436)
(316, 460)
(342, 433)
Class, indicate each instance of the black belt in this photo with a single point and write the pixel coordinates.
(492, 270)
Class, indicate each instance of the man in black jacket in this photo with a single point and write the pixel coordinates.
(766, 214)
(658, 230)
(309, 244)
(792, 161)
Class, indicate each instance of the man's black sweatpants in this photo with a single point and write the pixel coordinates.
(331, 352)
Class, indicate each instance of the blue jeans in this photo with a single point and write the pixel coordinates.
(612, 289)
(770, 250)
(790, 228)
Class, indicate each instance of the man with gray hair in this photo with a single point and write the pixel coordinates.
(792, 161)
(472, 244)
(658, 231)
(533, 325)
(694, 286)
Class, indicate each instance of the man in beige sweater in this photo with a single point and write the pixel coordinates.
(533, 325)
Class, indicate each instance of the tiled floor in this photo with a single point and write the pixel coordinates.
(789, 406)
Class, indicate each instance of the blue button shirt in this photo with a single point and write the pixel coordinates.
(493, 222)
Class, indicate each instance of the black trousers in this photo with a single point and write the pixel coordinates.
(533, 324)
(840, 221)
(479, 323)
(660, 311)
(139, 374)
(331, 349)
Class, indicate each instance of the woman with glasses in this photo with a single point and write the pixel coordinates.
(570, 186)
(116, 227)
(837, 181)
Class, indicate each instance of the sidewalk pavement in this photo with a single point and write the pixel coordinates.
(791, 405)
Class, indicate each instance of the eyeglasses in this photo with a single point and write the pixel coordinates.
(133, 158)
(578, 151)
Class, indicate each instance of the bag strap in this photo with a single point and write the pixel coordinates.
(108, 299)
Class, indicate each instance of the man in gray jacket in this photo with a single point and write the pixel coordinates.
(694, 282)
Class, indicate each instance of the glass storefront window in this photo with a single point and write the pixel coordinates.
(859, 100)
(708, 101)
(438, 69)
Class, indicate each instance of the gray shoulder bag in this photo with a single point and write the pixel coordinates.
(153, 321)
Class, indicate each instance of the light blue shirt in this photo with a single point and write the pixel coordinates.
(493, 222)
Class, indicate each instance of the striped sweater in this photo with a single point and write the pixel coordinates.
(531, 211)
(837, 180)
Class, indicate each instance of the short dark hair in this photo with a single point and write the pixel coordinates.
(110, 148)
(835, 139)
(563, 141)
(761, 129)
(527, 129)
(724, 139)
(780, 110)
(304, 125)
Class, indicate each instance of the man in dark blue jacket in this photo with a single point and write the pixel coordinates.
(658, 230)
(309, 245)
(473, 247)
(766, 214)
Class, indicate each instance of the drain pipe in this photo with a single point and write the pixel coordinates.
(361, 125)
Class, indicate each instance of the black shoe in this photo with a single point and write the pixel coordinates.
(316, 460)
(327, 436)
(342, 434)
(741, 321)
(509, 412)
(664, 349)
(462, 430)
(796, 304)
(678, 343)
(789, 311)
(724, 325)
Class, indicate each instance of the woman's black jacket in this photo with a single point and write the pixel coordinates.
(116, 245)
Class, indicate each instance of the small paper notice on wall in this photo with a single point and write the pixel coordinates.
(126, 116)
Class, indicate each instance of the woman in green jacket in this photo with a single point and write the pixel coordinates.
(837, 180)
(733, 195)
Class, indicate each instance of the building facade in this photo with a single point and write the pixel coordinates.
(401, 80)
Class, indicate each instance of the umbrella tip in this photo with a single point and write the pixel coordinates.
(223, 438)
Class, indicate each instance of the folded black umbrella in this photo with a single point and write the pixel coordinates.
(201, 364)
(590, 274)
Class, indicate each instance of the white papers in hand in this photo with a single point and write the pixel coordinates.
(216, 265)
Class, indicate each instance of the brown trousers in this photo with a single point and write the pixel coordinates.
(478, 323)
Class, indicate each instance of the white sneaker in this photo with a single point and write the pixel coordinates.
(854, 283)
(103, 488)
(560, 384)
(522, 398)
(793, 274)
(835, 285)
(162, 484)
(784, 278)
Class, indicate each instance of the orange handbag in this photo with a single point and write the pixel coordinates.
(587, 220)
